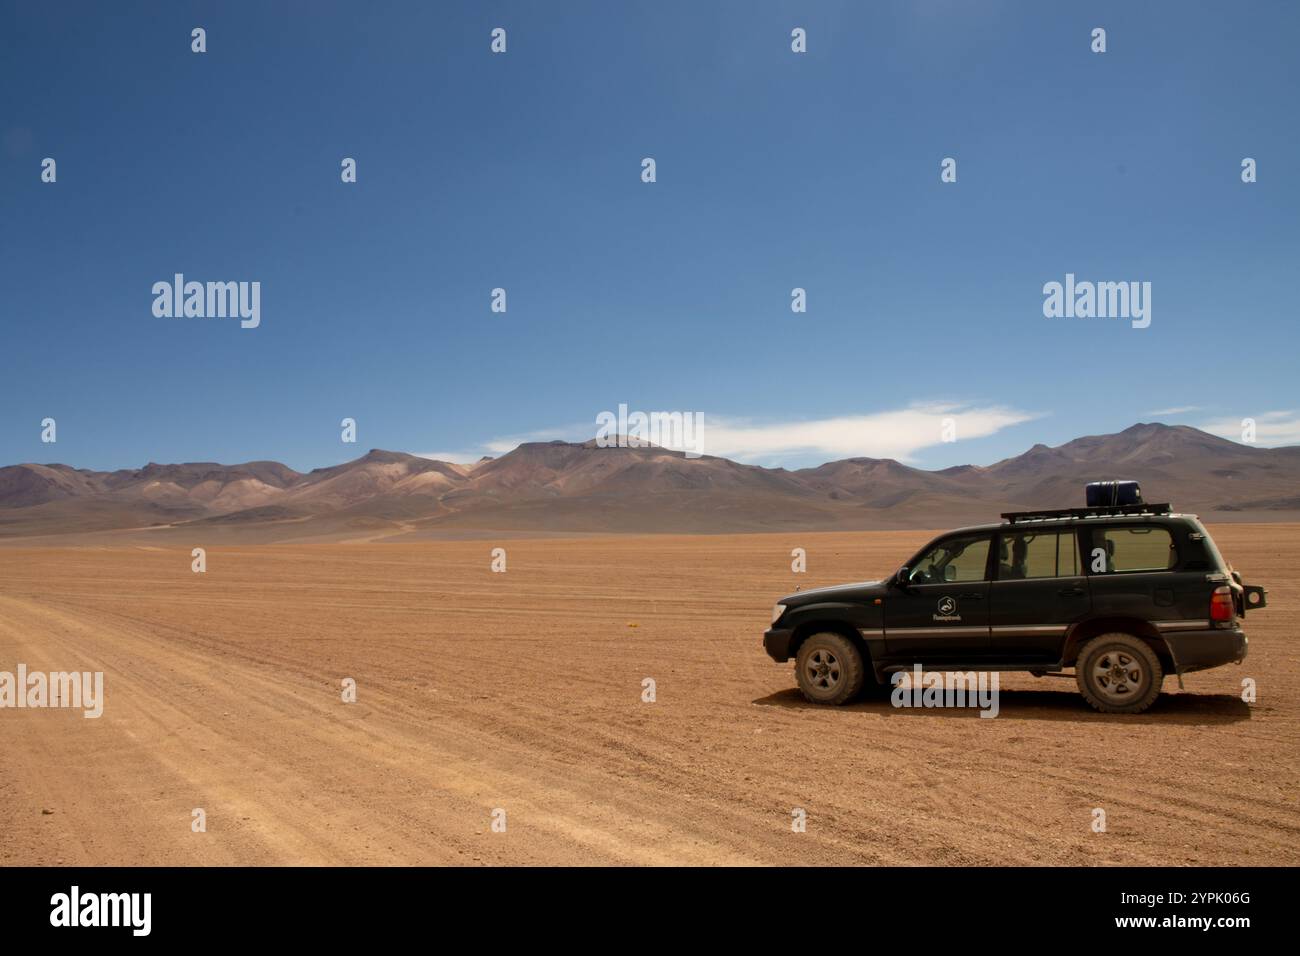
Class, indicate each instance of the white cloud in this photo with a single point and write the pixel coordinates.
(1178, 410)
(896, 434)
(900, 434)
(1271, 428)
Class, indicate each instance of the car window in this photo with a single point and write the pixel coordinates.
(1133, 549)
(1067, 555)
(954, 559)
(1216, 561)
(1037, 554)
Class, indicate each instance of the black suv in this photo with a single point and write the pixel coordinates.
(1123, 594)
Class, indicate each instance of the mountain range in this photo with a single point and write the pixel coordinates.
(565, 487)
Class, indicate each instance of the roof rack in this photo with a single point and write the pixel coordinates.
(1114, 511)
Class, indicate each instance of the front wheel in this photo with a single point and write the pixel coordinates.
(1118, 674)
(829, 668)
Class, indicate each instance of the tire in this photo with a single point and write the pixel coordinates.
(1118, 674)
(829, 668)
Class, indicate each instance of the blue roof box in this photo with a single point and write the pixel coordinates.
(1110, 494)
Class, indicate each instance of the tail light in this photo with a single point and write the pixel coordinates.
(1221, 608)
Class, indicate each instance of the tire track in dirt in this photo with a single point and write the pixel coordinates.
(523, 691)
(208, 760)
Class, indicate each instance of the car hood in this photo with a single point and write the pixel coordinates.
(863, 590)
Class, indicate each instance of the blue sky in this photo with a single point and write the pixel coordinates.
(775, 170)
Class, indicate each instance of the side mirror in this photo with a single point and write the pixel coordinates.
(949, 573)
(900, 577)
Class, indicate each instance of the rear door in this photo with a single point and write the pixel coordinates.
(1131, 572)
(1038, 591)
(943, 613)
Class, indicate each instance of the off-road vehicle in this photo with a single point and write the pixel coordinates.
(1123, 593)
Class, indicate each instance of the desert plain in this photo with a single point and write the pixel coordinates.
(522, 692)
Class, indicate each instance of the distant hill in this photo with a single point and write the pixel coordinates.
(566, 487)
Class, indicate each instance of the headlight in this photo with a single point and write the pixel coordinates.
(777, 612)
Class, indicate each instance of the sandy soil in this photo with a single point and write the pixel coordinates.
(522, 691)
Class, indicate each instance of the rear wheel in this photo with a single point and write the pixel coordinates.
(1118, 674)
(829, 668)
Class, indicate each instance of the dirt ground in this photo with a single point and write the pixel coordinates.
(522, 691)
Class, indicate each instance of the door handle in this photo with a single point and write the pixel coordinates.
(972, 596)
(1070, 592)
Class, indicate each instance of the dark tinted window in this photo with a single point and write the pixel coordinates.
(1132, 549)
(1037, 554)
(954, 559)
(1214, 560)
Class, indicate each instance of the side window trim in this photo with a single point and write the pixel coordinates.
(1077, 538)
(995, 554)
(990, 559)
